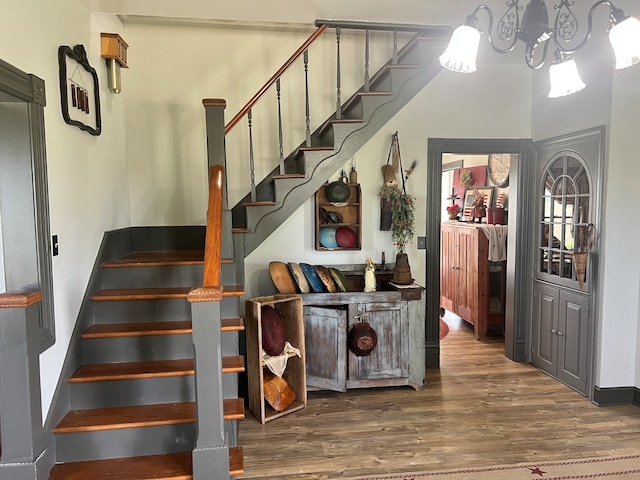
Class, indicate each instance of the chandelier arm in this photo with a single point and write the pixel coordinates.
(490, 29)
(574, 49)
(528, 55)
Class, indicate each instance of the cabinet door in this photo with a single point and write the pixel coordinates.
(447, 268)
(389, 360)
(544, 341)
(466, 268)
(573, 339)
(326, 347)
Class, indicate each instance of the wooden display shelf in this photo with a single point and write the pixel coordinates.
(290, 309)
(350, 210)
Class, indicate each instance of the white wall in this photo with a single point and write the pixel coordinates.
(88, 177)
(620, 312)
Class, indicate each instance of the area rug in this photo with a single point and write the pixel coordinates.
(603, 468)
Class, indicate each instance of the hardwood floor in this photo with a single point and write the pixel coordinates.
(477, 409)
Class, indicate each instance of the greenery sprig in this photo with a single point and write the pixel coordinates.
(402, 214)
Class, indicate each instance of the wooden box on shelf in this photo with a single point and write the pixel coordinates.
(290, 309)
(350, 211)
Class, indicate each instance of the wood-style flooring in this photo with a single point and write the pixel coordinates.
(477, 409)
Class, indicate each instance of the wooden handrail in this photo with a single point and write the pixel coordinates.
(213, 238)
(273, 79)
(20, 299)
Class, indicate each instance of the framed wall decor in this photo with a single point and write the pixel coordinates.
(469, 197)
(79, 92)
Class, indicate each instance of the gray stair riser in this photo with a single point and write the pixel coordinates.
(228, 275)
(229, 309)
(150, 277)
(231, 432)
(230, 386)
(137, 349)
(229, 344)
(123, 311)
(140, 391)
(126, 442)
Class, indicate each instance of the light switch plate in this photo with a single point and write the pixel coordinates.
(422, 243)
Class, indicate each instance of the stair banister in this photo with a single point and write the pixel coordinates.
(243, 111)
(212, 255)
(211, 452)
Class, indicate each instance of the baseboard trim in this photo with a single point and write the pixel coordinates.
(604, 397)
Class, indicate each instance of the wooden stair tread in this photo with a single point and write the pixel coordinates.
(137, 329)
(140, 416)
(232, 324)
(289, 175)
(174, 466)
(154, 293)
(265, 203)
(141, 329)
(98, 372)
(155, 258)
(319, 148)
(372, 93)
(236, 461)
(141, 293)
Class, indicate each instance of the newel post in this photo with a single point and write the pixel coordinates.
(211, 452)
(21, 432)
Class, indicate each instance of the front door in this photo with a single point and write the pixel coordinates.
(569, 177)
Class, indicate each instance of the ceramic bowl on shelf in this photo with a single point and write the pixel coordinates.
(338, 191)
(324, 215)
(327, 237)
(345, 237)
(335, 217)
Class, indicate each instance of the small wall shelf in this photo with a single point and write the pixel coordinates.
(350, 211)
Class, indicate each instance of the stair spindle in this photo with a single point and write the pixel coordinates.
(251, 157)
(366, 61)
(306, 93)
(338, 100)
(395, 46)
(280, 141)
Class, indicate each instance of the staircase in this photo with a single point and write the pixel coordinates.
(132, 409)
(339, 137)
(132, 397)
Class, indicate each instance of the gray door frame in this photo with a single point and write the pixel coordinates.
(25, 238)
(519, 242)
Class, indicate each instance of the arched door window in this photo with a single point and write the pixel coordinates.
(564, 216)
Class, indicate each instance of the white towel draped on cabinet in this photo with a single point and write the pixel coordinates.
(497, 235)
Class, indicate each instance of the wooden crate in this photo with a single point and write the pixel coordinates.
(290, 309)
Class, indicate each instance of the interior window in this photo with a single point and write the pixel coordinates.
(564, 216)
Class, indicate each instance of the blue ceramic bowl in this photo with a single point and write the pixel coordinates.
(327, 237)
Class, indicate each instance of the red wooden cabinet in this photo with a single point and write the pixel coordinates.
(471, 286)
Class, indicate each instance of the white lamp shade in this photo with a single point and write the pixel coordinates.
(564, 78)
(625, 40)
(460, 55)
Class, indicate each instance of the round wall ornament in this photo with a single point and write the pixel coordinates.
(498, 169)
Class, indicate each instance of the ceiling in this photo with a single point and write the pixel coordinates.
(428, 12)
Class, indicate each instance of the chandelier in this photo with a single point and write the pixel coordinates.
(535, 32)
